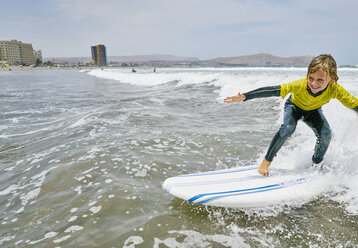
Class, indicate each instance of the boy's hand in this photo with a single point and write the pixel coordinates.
(238, 98)
(263, 169)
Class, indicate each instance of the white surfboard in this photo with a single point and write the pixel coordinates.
(241, 187)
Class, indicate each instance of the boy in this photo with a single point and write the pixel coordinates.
(307, 97)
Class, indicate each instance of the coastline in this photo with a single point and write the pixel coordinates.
(28, 68)
(64, 68)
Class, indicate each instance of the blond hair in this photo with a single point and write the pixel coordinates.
(325, 62)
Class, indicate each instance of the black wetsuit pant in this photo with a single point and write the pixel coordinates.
(313, 118)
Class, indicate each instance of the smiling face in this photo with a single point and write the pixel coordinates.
(318, 80)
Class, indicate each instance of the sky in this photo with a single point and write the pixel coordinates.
(204, 29)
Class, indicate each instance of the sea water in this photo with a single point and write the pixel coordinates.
(83, 155)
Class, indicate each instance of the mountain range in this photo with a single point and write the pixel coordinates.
(261, 59)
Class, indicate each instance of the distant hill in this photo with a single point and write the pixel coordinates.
(125, 59)
(151, 58)
(73, 60)
(260, 60)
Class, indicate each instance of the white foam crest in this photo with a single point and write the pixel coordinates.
(147, 78)
(230, 80)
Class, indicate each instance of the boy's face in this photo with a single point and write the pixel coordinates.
(318, 81)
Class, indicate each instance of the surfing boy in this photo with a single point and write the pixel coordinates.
(307, 97)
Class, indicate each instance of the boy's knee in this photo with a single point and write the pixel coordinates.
(326, 133)
(287, 130)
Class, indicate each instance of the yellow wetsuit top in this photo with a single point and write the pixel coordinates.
(302, 98)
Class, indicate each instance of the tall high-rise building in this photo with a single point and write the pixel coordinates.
(38, 55)
(16, 52)
(99, 56)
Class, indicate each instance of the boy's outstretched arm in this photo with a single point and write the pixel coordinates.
(258, 93)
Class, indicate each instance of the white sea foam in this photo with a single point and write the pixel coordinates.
(47, 236)
(73, 229)
(196, 239)
(9, 189)
(6, 239)
(72, 219)
(57, 241)
(73, 210)
(95, 209)
(6, 136)
(132, 241)
(30, 195)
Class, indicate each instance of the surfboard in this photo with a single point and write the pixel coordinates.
(240, 187)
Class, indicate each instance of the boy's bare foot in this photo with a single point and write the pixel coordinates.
(263, 169)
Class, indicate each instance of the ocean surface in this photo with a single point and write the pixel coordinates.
(83, 155)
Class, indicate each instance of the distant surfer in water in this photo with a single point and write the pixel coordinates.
(307, 97)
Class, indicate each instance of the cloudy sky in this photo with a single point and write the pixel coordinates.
(196, 28)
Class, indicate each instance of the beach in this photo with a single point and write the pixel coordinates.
(39, 68)
(84, 153)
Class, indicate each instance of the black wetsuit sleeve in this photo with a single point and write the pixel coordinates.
(263, 92)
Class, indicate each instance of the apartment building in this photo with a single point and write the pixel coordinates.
(10, 51)
(99, 56)
(16, 52)
(27, 54)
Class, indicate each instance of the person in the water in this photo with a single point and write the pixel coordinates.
(307, 97)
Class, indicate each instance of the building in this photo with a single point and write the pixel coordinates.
(10, 52)
(38, 55)
(99, 56)
(27, 54)
(16, 52)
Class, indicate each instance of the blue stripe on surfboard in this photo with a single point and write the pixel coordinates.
(233, 191)
(282, 185)
(217, 172)
(222, 181)
(246, 191)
